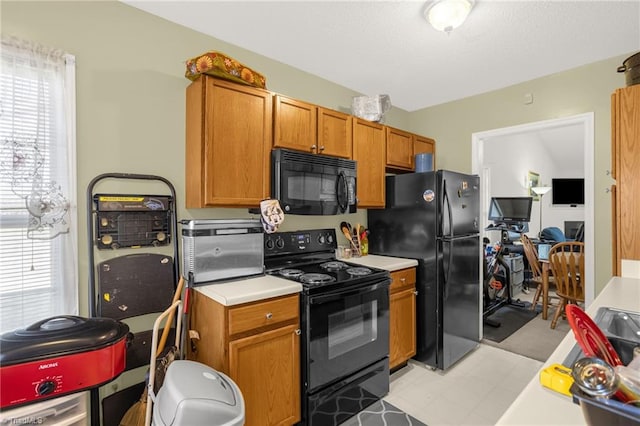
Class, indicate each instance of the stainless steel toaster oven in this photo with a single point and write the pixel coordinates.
(221, 249)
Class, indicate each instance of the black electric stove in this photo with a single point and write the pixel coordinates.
(344, 323)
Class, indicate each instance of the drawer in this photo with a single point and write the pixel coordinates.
(517, 277)
(515, 262)
(262, 314)
(403, 278)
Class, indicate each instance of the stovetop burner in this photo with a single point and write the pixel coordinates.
(333, 265)
(359, 271)
(314, 278)
(290, 273)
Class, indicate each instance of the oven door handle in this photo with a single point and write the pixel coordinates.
(325, 298)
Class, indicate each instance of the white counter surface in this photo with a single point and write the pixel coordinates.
(537, 405)
(266, 286)
(384, 262)
(249, 290)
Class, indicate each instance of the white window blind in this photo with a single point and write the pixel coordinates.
(38, 230)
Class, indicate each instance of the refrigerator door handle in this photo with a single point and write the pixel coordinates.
(447, 270)
(446, 203)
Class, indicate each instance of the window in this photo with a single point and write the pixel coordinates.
(38, 235)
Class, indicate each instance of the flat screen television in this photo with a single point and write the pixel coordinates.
(510, 209)
(567, 191)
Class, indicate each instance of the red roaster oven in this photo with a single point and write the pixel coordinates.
(58, 356)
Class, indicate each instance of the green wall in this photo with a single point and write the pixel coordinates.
(580, 90)
(131, 105)
(131, 99)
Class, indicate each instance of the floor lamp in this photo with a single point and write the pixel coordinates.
(540, 191)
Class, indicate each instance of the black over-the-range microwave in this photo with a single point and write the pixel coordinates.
(313, 184)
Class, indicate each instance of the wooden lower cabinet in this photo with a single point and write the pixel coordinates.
(402, 317)
(258, 346)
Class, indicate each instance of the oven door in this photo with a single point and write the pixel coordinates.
(347, 331)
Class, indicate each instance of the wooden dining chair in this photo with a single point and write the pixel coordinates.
(536, 270)
(567, 264)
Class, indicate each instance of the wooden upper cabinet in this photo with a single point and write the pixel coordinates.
(421, 145)
(335, 136)
(369, 152)
(626, 166)
(228, 144)
(399, 149)
(294, 124)
(305, 127)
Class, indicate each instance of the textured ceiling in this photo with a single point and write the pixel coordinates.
(376, 47)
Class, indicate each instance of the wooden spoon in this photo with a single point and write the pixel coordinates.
(347, 234)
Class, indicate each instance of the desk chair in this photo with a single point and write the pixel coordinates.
(536, 272)
(567, 265)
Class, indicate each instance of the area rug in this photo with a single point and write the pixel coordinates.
(382, 413)
(511, 318)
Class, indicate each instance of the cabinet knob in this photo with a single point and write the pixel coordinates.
(269, 315)
(415, 292)
(402, 280)
(607, 190)
(313, 147)
(322, 148)
(298, 331)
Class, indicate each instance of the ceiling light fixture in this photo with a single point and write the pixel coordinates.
(446, 15)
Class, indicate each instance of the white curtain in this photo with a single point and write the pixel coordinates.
(38, 207)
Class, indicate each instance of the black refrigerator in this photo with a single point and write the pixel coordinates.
(433, 217)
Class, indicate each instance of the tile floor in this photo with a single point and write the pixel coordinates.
(474, 391)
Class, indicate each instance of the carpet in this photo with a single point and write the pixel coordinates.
(382, 413)
(510, 318)
(535, 339)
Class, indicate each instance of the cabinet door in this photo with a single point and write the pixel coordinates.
(399, 149)
(628, 172)
(421, 145)
(334, 133)
(294, 124)
(369, 152)
(266, 368)
(228, 144)
(402, 326)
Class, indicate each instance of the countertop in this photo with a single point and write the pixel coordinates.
(236, 292)
(249, 290)
(537, 405)
(383, 262)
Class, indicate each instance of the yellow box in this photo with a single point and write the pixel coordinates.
(557, 377)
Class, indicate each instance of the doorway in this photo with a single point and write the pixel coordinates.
(584, 126)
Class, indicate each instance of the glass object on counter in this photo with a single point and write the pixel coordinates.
(364, 246)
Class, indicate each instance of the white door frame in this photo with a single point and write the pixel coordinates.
(586, 121)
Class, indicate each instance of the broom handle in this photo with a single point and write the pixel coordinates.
(167, 326)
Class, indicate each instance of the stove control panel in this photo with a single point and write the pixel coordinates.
(298, 242)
